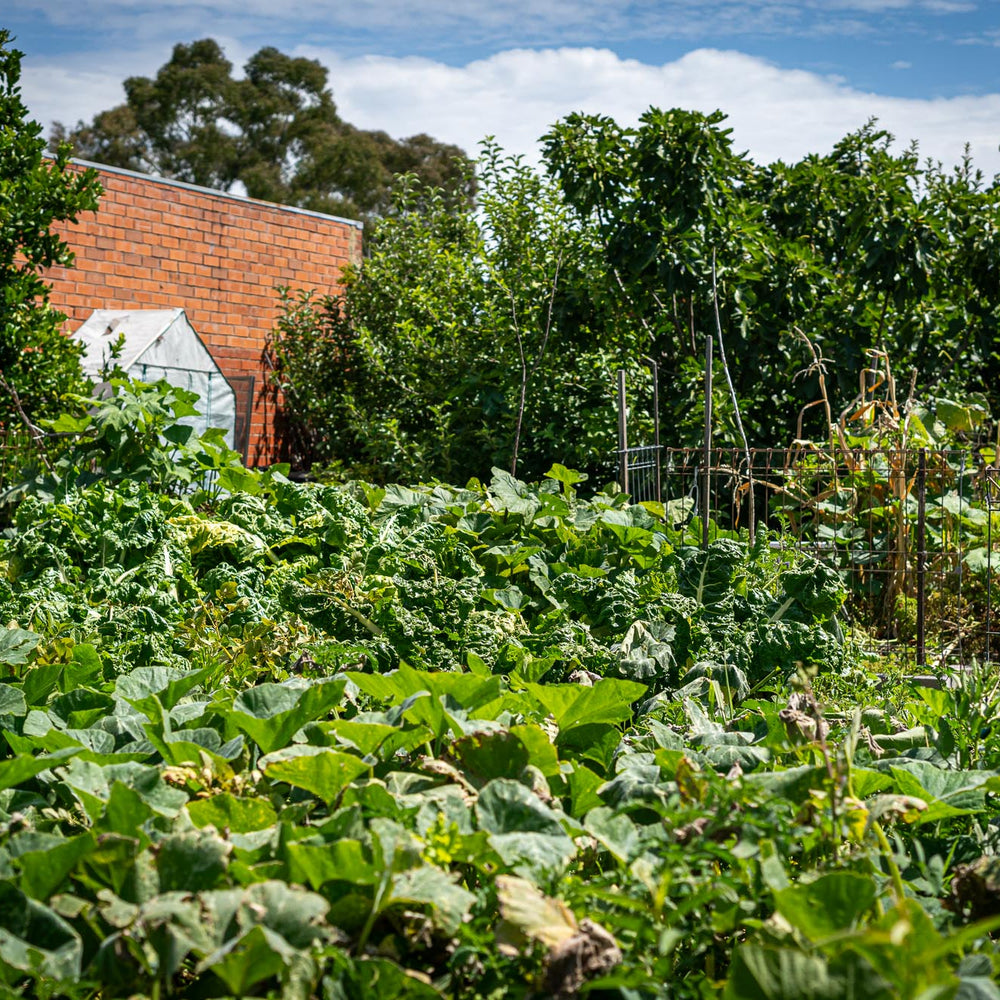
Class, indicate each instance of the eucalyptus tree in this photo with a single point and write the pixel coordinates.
(275, 130)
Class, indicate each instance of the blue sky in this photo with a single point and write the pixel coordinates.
(794, 75)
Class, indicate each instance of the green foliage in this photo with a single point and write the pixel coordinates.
(37, 362)
(469, 339)
(135, 432)
(275, 130)
(467, 743)
(862, 248)
(856, 495)
(440, 370)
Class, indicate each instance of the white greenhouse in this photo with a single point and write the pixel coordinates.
(161, 344)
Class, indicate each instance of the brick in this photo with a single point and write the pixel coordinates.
(153, 245)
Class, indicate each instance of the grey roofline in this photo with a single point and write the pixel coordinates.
(243, 199)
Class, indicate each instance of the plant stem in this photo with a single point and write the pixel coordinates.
(736, 403)
(897, 879)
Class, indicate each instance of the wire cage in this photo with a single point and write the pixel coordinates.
(911, 532)
(639, 467)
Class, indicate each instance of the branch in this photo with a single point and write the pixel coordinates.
(36, 432)
(524, 381)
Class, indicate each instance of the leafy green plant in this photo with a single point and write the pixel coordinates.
(135, 432)
(37, 363)
(493, 345)
(498, 740)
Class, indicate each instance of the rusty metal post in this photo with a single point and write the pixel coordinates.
(921, 558)
(622, 430)
(707, 457)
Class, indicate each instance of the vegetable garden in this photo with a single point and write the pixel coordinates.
(261, 738)
(282, 739)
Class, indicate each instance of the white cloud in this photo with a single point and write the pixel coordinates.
(949, 6)
(517, 94)
(901, 64)
(775, 113)
(67, 93)
(991, 37)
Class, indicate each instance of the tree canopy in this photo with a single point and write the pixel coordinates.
(275, 130)
(467, 339)
(37, 363)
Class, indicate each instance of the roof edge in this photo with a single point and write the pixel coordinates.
(228, 195)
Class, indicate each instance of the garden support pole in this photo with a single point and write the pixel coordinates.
(622, 430)
(656, 425)
(707, 457)
(921, 557)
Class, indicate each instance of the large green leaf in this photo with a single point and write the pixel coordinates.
(647, 654)
(614, 831)
(376, 979)
(368, 736)
(948, 793)
(506, 806)
(270, 714)
(143, 684)
(192, 861)
(340, 861)
(448, 903)
(762, 973)
(607, 701)
(228, 812)
(16, 645)
(294, 913)
(487, 755)
(707, 574)
(830, 905)
(525, 832)
(12, 701)
(34, 939)
(23, 767)
(325, 773)
(257, 954)
(469, 691)
(126, 812)
(43, 871)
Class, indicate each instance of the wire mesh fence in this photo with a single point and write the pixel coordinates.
(641, 469)
(913, 533)
(17, 448)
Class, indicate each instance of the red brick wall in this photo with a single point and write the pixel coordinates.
(155, 244)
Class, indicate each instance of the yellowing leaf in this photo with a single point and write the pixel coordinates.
(532, 913)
